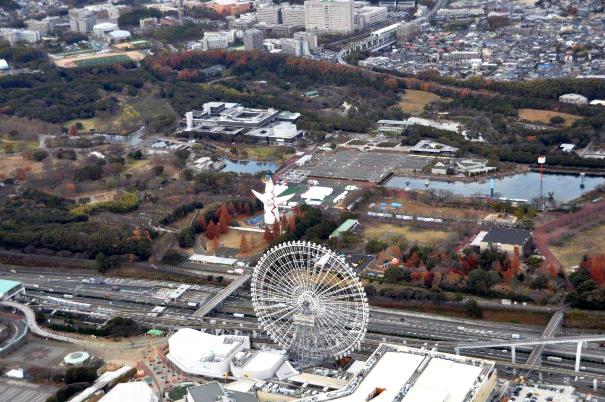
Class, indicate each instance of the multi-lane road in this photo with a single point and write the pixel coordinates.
(137, 299)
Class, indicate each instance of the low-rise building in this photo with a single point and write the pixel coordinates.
(506, 240)
(277, 133)
(224, 121)
(432, 147)
(259, 365)
(214, 391)
(148, 23)
(200, 353)
(467, 167)
(346, 226)
(457, 14)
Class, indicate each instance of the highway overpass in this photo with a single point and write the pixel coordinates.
(222, 295)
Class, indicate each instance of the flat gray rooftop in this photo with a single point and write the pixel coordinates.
(363, 166)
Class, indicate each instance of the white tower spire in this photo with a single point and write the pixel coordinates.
(271, 200)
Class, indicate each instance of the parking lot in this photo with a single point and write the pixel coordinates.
(363, 166)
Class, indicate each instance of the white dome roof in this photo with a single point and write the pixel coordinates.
(105, 26)
(119, 34)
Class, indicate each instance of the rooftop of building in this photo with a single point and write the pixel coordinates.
(214, 391)
(429, 146)
(507, 236)
(137, 391)
(413, 375)
(7, 285)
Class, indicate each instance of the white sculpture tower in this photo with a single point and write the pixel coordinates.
(271, 200)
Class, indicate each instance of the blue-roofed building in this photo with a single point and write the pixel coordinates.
(9, 289)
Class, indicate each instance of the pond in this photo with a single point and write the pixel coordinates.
(524, 186)
(248, 166)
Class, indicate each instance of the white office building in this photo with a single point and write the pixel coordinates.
(253, 39)
(81, 21)
(293, 15)
(215, 40)
(329, 16)
(367, 16)
(13, 35)
(270, 15)
(44, 26)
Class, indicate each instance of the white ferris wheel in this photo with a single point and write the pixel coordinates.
(310, 301)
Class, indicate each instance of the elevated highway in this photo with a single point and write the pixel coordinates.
(580, 340)
(30, 318)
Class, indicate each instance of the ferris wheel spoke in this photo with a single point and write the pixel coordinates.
(282, 273)
(342, 317)
(281, 312)
(330, 336)
(281, 291)
(295, 273)
(335, 287)
(324, 272)
(300, 270)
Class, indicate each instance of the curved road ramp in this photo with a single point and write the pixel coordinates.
(30, 318)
